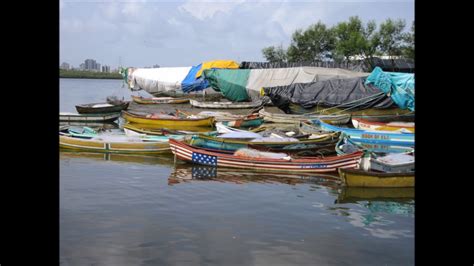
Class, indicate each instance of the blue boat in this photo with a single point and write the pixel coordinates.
(380, 139)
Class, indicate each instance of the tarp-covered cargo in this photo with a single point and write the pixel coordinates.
(400, 86)
(228, 64)
(230, 82)
(259, 65)
(245, 84)
(344, 93)
(191, 83)
(157, 80)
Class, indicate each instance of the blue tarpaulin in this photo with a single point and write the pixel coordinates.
(399, 86)
(190, 83)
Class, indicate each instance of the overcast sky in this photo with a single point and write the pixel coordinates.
(185, 33)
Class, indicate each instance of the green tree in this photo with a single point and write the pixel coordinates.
(314, 44)
(274, 54)
(408, 49)
(352, 39)
(392, 37)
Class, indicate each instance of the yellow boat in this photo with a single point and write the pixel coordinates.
(361, 178)
(379, 126)
(115, 146)
(169, 122)
(354, 194)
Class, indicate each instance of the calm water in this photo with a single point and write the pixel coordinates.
(144, 210)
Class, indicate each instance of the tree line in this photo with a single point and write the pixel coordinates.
(88, 74)
(345, 42)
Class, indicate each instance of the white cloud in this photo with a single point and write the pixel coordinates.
(204, 9)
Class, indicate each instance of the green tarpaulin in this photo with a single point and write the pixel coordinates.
(230, 82)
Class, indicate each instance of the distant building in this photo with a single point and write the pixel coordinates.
(91, 65)
(156, 66)
(106, 69)
(65, 66)
(82, 66)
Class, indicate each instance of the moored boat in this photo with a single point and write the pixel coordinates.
(85, 118)
(158, 100)
(117, 144)
(190, 153)
(99, 108)
(215, 142)
(380, 126)
(363, 136)
(334, 119)
(168, 120)
(361, 178)
(225, 105)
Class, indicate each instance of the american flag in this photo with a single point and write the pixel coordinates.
(204, 159)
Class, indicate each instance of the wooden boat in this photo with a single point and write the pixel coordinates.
(335, 119)
(370, 114)
(363, 136)
(393, 163)
(225, 105)
(156, 132)
(361, 178)
(117, 145)
(158, 100)
(213, 142)
(301, 149)
(85, 118)
(100, 108)
(190, 153)
(391, 126)
(168, 121)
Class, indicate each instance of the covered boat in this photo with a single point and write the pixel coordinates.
(245, 84)
(193, 154)
(156, 80)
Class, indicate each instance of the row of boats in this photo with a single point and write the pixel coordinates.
(371, 154)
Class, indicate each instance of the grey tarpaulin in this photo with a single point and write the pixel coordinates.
(329, 93)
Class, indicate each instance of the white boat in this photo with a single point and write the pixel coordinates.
(225, 105)
(393, 163)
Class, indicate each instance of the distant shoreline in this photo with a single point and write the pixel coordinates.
(76, 74)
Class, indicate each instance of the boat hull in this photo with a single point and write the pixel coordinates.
(85, 118)
(79, 144)
(158, 100)
(88, 109)
(193, 154)
(224, 105)
(360, 178)
(172, 123)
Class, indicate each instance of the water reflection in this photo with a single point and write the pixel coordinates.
(162, 159)
(377, 209)
(189, 172)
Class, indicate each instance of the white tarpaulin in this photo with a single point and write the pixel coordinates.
(272, 77)
(155, 80)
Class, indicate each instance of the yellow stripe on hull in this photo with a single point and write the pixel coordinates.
(205, 122)
(352, 179)
(118, 147)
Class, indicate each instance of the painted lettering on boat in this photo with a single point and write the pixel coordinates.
(371, 136)
(314, 166)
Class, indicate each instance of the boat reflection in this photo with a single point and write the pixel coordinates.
(188, 173)
(356, 194)
(161, 159)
